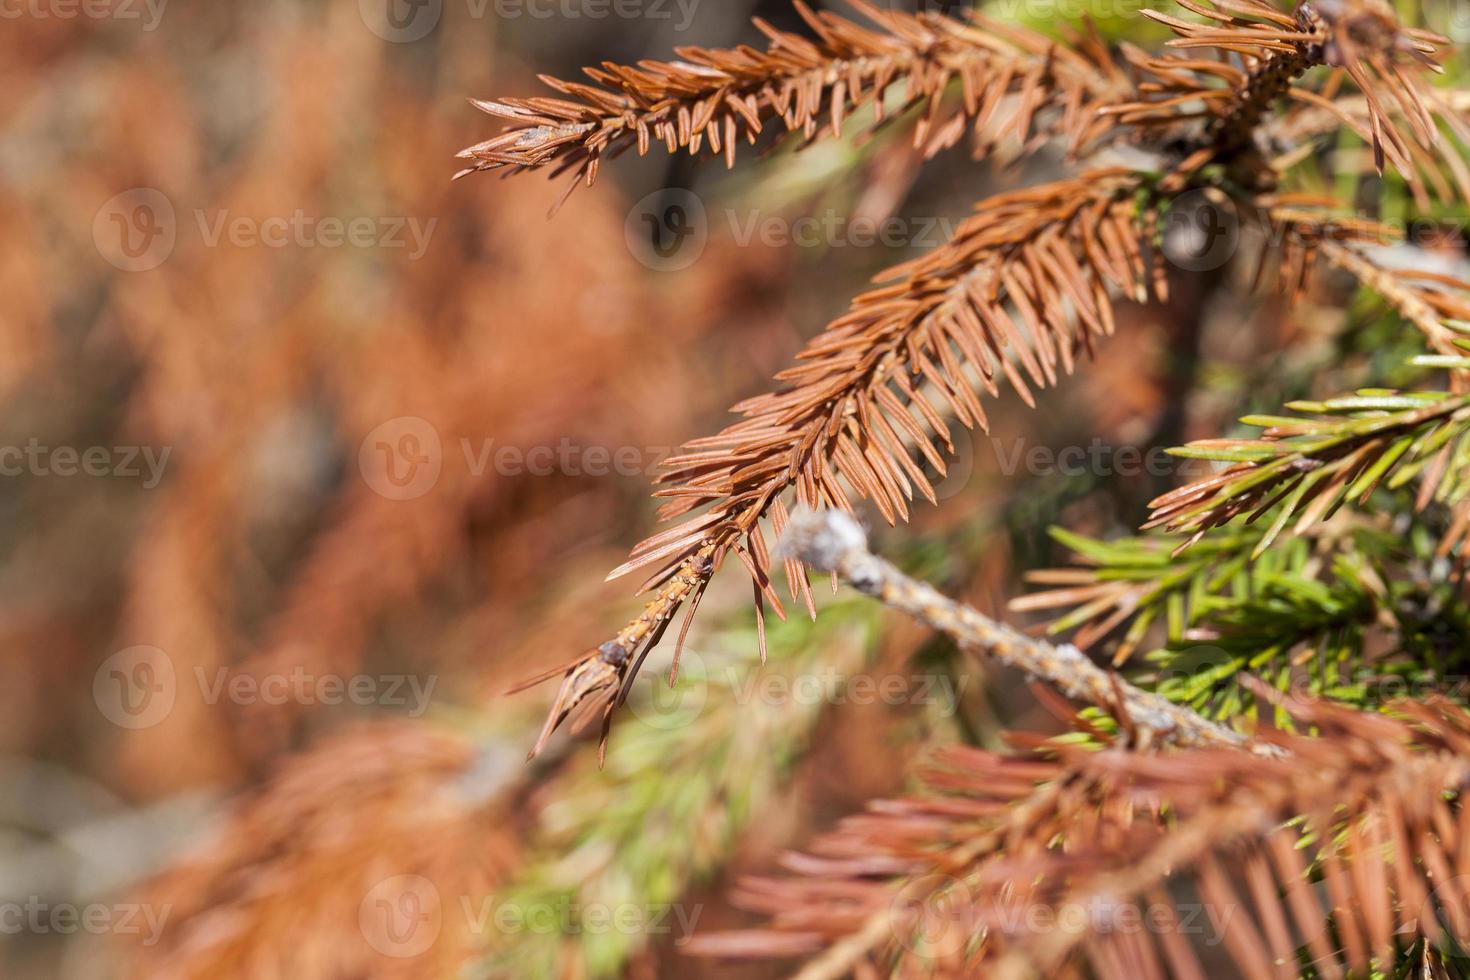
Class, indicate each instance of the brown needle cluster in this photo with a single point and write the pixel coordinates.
(1027, 285)
(1339, 854)
(715, 98)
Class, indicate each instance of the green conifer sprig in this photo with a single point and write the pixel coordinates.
(683, 780)
(1303, 468)
(1360, 609)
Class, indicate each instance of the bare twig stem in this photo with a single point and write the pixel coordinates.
(1267, 83)
(831, 540)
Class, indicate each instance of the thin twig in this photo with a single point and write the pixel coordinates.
(832, 541)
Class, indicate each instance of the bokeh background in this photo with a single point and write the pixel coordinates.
(309, 451)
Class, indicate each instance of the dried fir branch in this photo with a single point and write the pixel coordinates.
(1307, 234)
(1024, 287)
(1388, 62)
(832, 541)
(1344, 852)
(1009, 79)
(399, 813)
(1315, 113)
(1034, 271)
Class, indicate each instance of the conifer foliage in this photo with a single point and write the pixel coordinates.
(1334, 829)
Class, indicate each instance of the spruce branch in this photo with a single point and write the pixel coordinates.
(373, 813)
(1008, 77)
(1306, 468)
(832, 541)
(1025, 287)
(679, 790)
(1315, 113)
(1358, 609)
(1338, 854)
(1309, 233)
(1021, 290)
(1140, 580)
(1362, 40)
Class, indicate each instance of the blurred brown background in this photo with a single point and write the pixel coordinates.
(308, 451)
